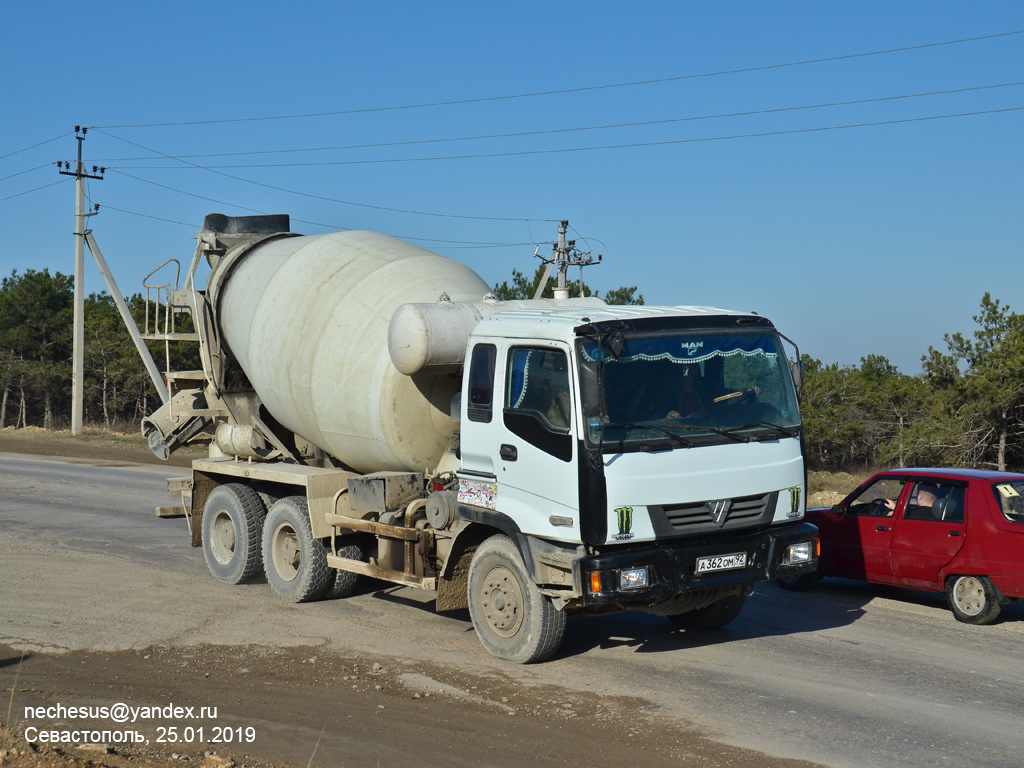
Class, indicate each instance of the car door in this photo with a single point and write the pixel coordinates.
(929, 532)
(537, 475)
(859, 537)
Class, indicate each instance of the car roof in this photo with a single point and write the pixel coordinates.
(972, 474)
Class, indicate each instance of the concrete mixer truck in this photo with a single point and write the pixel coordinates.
(371, 410)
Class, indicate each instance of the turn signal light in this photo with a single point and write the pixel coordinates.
(595, 581)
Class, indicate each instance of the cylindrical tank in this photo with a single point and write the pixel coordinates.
(307, 320)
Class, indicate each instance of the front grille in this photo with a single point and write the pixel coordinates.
(695, 517)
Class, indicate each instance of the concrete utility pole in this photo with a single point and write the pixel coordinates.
(561, 292)
(564, 255)
(77, 352)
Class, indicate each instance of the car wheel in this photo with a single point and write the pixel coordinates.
(972, 599)
(799, 583)
(714, 616)
(232, 527)
(295, 562)
(513, 620)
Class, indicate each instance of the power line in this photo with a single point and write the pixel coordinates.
(41, 143)
(581, 89)
(27, 191)
(447, 243)
(107, 207)
(522, 153)
(21, 173)
(322, 197)
(550, 131)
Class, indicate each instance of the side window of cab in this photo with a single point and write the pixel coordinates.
(538, 403)
(538, 383)
(481, 383)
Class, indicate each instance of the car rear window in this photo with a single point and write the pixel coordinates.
(1010, 496)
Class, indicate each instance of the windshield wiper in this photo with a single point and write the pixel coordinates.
(705, 428)
(767, 425)
(653, 427)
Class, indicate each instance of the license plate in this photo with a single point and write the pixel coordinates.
(722, 562)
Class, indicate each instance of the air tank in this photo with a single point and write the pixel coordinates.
(307, 319)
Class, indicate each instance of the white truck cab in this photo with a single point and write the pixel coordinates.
(658, 449)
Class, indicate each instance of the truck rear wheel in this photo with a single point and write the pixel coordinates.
(513, 620)
(973, 599)
(232, 528)
(714, 616)
(344, 582)
(295, 562)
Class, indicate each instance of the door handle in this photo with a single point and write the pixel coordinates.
(508, 452)
(955, 533)
(882, 528)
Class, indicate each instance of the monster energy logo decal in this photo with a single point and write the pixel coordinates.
(624, 518)
(794, 502)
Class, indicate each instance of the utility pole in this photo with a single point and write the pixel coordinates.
(561, 292)
(564, 254)
(77, 352)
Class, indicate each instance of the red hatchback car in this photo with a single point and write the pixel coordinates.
(957, 531)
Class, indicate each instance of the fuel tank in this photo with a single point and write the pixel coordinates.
(307, 319)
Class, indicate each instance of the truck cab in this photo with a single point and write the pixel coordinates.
(657, 450)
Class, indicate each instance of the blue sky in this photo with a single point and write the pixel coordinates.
(866, 240)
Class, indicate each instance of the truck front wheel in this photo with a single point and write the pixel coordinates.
(513, 620)
(296, 563)
(232, 528)
(714, 616)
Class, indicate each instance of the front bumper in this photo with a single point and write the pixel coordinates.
(672, 566)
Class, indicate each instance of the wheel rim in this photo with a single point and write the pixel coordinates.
(222, 537)
(503, 602)
(286, 551)
(969, 595)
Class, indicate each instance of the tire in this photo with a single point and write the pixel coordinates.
(799, 583)
(973, 599)
(345, 582)
(295, 562)
(513, 620)
(714, 616)
(232, 530)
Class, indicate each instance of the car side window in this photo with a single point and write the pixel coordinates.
(936, 501)
(1010, 496)
(878, 499)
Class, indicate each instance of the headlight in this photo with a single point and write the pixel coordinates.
(799, 553)
(633, 578)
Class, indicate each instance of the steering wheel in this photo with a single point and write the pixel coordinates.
(740, 396)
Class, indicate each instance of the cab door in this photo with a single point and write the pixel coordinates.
(536, 450)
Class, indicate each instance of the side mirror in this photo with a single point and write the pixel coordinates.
(838, 510)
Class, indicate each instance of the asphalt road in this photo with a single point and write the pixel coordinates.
(845, 675)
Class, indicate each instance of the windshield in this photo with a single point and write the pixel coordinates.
(687, 388)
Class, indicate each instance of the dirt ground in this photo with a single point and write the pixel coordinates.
(327, 710)
(93, 444)
(309, 707)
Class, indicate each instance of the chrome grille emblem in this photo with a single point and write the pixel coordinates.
(719, 510)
